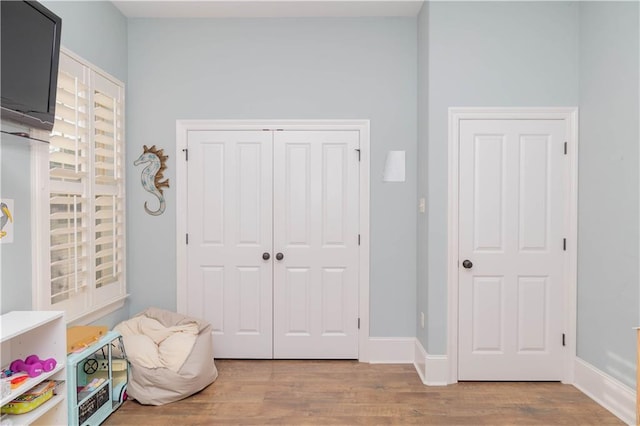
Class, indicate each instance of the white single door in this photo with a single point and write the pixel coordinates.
(513, 186)
(315, 216)
(229, 231)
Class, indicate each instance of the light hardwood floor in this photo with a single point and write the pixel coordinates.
(352, 393)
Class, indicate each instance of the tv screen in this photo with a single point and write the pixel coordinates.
(30, 41)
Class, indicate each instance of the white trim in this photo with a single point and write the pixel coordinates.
(616, 397)
(437, 370)
(420, 361)
(39, 224)
(182, 129)
(391, 350)
(432, 369)
(571, 271)
(95, 68)
(98, 312)
(570, 115)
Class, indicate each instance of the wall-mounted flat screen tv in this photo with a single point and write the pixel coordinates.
(30, 42)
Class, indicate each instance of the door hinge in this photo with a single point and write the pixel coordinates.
(186, 238)
(565, 148)
(186, 154)
(358, 239)
(564, 244)
(358, 151)
(358, 323)
(563, 340)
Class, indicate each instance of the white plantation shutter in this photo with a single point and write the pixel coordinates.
(68, 143)
(109, 239)
(108, 155)
(107, 133)
(68, 186)
(68, 245)
(86, 191)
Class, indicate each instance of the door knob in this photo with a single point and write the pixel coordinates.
(467, 264)
(266, 255)
(279, 256)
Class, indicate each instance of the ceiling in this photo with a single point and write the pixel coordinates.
(266, 8)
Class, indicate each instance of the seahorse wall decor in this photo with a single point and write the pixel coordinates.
(151, 176)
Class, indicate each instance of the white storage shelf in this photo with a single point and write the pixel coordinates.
(43, 333)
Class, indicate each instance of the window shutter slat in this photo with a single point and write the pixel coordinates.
(105, 113)
(67, 84)
(66, 128)
(104, 126)
(105, 141)
(66, 216)
(68, 143)
(69, 113)
(59, 295)
(61, 246)
(65, 174)
(107, 153)
(64, 97)
(64, 158)
(65, 199)
(102, 99)
(66, 266)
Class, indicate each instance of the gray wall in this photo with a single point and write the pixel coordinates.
(96, 31)
(487, 54)
(423, 129)
(608, 281)
(15, 258)
(277, 69)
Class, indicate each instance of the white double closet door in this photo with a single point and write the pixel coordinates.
(272, 252)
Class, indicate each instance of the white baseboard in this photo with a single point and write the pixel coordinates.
(391, 350)
(432, 369)
(606, 391)
(420, 361)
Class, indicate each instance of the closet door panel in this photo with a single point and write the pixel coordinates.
(229, 228)
(316, 231)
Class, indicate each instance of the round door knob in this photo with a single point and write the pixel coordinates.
(279, 256)
(467, 264)
(266, 255)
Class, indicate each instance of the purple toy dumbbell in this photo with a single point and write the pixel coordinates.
(33, 370)
(47, 364)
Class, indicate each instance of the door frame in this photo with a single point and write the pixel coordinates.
(362, 126)
(570, 117)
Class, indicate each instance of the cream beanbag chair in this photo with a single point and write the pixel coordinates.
(171, 356)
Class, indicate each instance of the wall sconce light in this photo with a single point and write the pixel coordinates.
(394, 167)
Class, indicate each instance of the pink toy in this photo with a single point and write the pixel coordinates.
(47, 364)
(33, 365)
